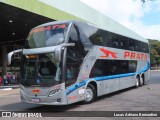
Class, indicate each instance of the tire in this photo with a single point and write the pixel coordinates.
(141, 82)
(90, 94)
(137, 82)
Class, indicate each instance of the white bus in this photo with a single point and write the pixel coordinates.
(64, 62)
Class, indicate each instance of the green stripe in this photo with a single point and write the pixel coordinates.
(41, 9)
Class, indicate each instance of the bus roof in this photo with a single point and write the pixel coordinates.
(115, 28)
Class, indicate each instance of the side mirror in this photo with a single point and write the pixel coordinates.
(58, 51)
(9, 57)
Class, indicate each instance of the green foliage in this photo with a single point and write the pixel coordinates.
(154, 52)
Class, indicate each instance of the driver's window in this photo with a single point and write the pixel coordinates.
(74, 57)
(72, 69)
(71, 72)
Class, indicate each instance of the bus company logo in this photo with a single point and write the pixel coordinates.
(35, 91)
(41, 29)
(135, 55)
(108, 53)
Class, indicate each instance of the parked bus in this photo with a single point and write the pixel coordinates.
(64, 62)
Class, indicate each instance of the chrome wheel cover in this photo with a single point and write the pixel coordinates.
(88, 94)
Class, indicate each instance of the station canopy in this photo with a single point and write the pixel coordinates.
(16, 23)
(18, 17)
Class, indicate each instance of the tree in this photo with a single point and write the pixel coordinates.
(154, 52)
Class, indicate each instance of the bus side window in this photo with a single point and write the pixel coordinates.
(71, 74)
(124, 66)
(113, 70)
(132, 66)
(72, 68)
(100, 68)
(122, 42)
(146, 48)
(131, 45)
(115, 44)
(96, 72)
(75, 38)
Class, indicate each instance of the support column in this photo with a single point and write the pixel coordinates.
(4, 59)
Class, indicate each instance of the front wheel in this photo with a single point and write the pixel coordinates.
(90, 94)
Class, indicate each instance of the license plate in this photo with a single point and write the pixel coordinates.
(35, 100)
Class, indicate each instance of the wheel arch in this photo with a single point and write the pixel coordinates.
(94, 83)
(138, 76)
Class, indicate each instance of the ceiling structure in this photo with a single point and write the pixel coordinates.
(15, 24)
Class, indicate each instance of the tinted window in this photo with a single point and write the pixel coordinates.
(105, 38)
(143, 47)
(124, 66)
(100, 68)
(95, 35)
(132, 66)
(112, 67)
(137, 45)
(131, 45)
(146, 48)
(51, 35)
(72, 69)
(75, 38)
(84, 32)
(87, 29)
(123, 42)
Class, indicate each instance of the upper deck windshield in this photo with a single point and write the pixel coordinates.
(46, 36)
(39, 70)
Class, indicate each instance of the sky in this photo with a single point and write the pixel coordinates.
(143, 19)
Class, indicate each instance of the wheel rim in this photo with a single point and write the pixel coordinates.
(89, 95)
(137, 82)
(141, 81)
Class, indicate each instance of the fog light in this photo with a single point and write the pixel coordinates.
(59, 100)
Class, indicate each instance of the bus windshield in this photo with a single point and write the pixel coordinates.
(46, 36)
(39, 70)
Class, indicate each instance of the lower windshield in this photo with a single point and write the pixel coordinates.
(39, 70)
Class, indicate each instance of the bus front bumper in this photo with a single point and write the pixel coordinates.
(56, 99)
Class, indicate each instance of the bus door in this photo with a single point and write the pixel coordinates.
(74, 58)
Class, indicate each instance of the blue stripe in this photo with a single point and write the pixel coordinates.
(74, 87)
(80, 84)
(114, 76)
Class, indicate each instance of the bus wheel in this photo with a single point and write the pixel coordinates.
(137, 82)
(141, 81)
(90, 94)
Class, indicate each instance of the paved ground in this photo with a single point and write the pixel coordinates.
(146, 98)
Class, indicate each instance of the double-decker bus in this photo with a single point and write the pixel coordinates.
(64, 62)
